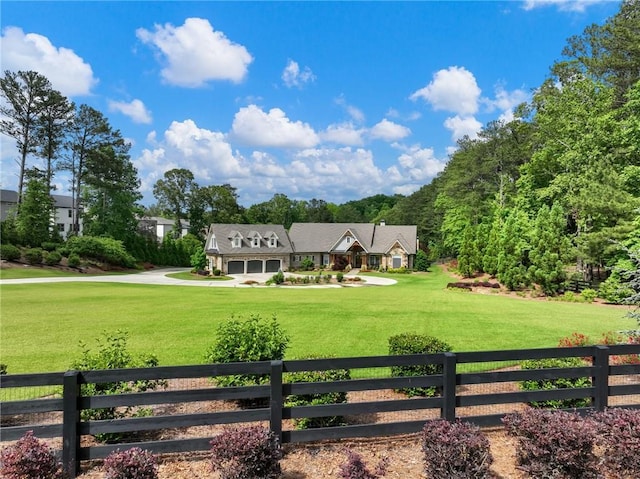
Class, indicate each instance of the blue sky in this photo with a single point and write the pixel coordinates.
(328, 100)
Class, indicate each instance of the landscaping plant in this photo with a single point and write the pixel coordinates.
(554, 444)
(619, 436)
(253, 339)
(409, 343)
(319, 398)
(251, 452)
(559, 383)
(29, 458)
(112, 353)
(457, 450)
(134, 463)
(355, 468)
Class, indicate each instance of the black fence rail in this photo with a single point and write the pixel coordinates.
(470, 383)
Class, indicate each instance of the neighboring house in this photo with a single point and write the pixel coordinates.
(239, 249)
(161, 227)
(63, 204)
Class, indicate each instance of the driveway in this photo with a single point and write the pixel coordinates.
(159, 277)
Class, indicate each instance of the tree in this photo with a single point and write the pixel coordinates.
(467, 265)
(175, 192)
(53, 125)
(219, 204)
(24, 92)
(550, 248)
(33, 224)
(111, 192)
(90, 131)
(514, 247)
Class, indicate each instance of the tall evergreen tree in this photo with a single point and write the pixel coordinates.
(513, 258)
(34, 224)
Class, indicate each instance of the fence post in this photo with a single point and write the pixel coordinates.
(448, 411)
(70, 423)
(276, 402)
(600, 378)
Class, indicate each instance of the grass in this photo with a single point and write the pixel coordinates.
(42, 324)
(188, 276)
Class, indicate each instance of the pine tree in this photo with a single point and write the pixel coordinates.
(514, 248)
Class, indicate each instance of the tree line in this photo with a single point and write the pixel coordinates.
(559, 184)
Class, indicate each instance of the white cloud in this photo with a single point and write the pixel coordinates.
(461, 126)
(420, 164)
(195, 54)
(563, 5)
(134, 109)
(454, 89)
(389, 131)
(254, 127)
(266, 165)
(343, 134)
(293, 77)
(66, 71)
(184, 145)
(355, 113)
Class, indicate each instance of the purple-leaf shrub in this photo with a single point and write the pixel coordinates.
(619, 435)
(455, 450)
(355, 468)
(251, 452)
(554, 444)
(29, 458)
(134, 463)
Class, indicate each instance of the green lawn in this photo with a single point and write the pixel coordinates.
(41, 324)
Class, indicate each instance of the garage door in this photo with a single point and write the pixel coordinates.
(254, 266)
(236, 267)
(273, 265)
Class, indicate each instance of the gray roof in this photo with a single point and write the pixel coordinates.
(375, 239)
(59, 201)
(224, 233)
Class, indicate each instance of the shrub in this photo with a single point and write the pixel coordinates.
(246, 453)
(319, 398)
(113, 354)
(589, 294)
(307, 264)
(3, 368)
(559, 383)
(278, 278)
(73, 261)
(554, 444)
(340, 263)
(619, 435)
(134, 463)
(9, 252)
(575, 340)
(49, 245)
(107, 250)
(422, 262)
(409, 343)
(52, 258)
(198, 260)
(33, 256)
(355, 468)
(339, 277)
(455, 450)
(29, 458)
(216, 272)
(253, 339)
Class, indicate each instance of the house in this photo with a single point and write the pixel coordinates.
(161, 227)
(240, 249)
(358, 244)
(64, 211)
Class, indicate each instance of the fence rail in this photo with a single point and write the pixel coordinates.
(63, 412)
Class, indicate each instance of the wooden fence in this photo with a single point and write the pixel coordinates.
(462, 372)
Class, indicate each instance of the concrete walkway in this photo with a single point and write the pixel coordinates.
(159, 277)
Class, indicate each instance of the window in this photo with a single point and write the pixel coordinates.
(213, 244)
(60, 227)
(348, 239)
(237, 242)
(273, 242)
(70, 213)
(255, 242)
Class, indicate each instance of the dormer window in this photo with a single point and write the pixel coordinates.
(273, 242)
(237, 242)
(348, 239)
(255, 243)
